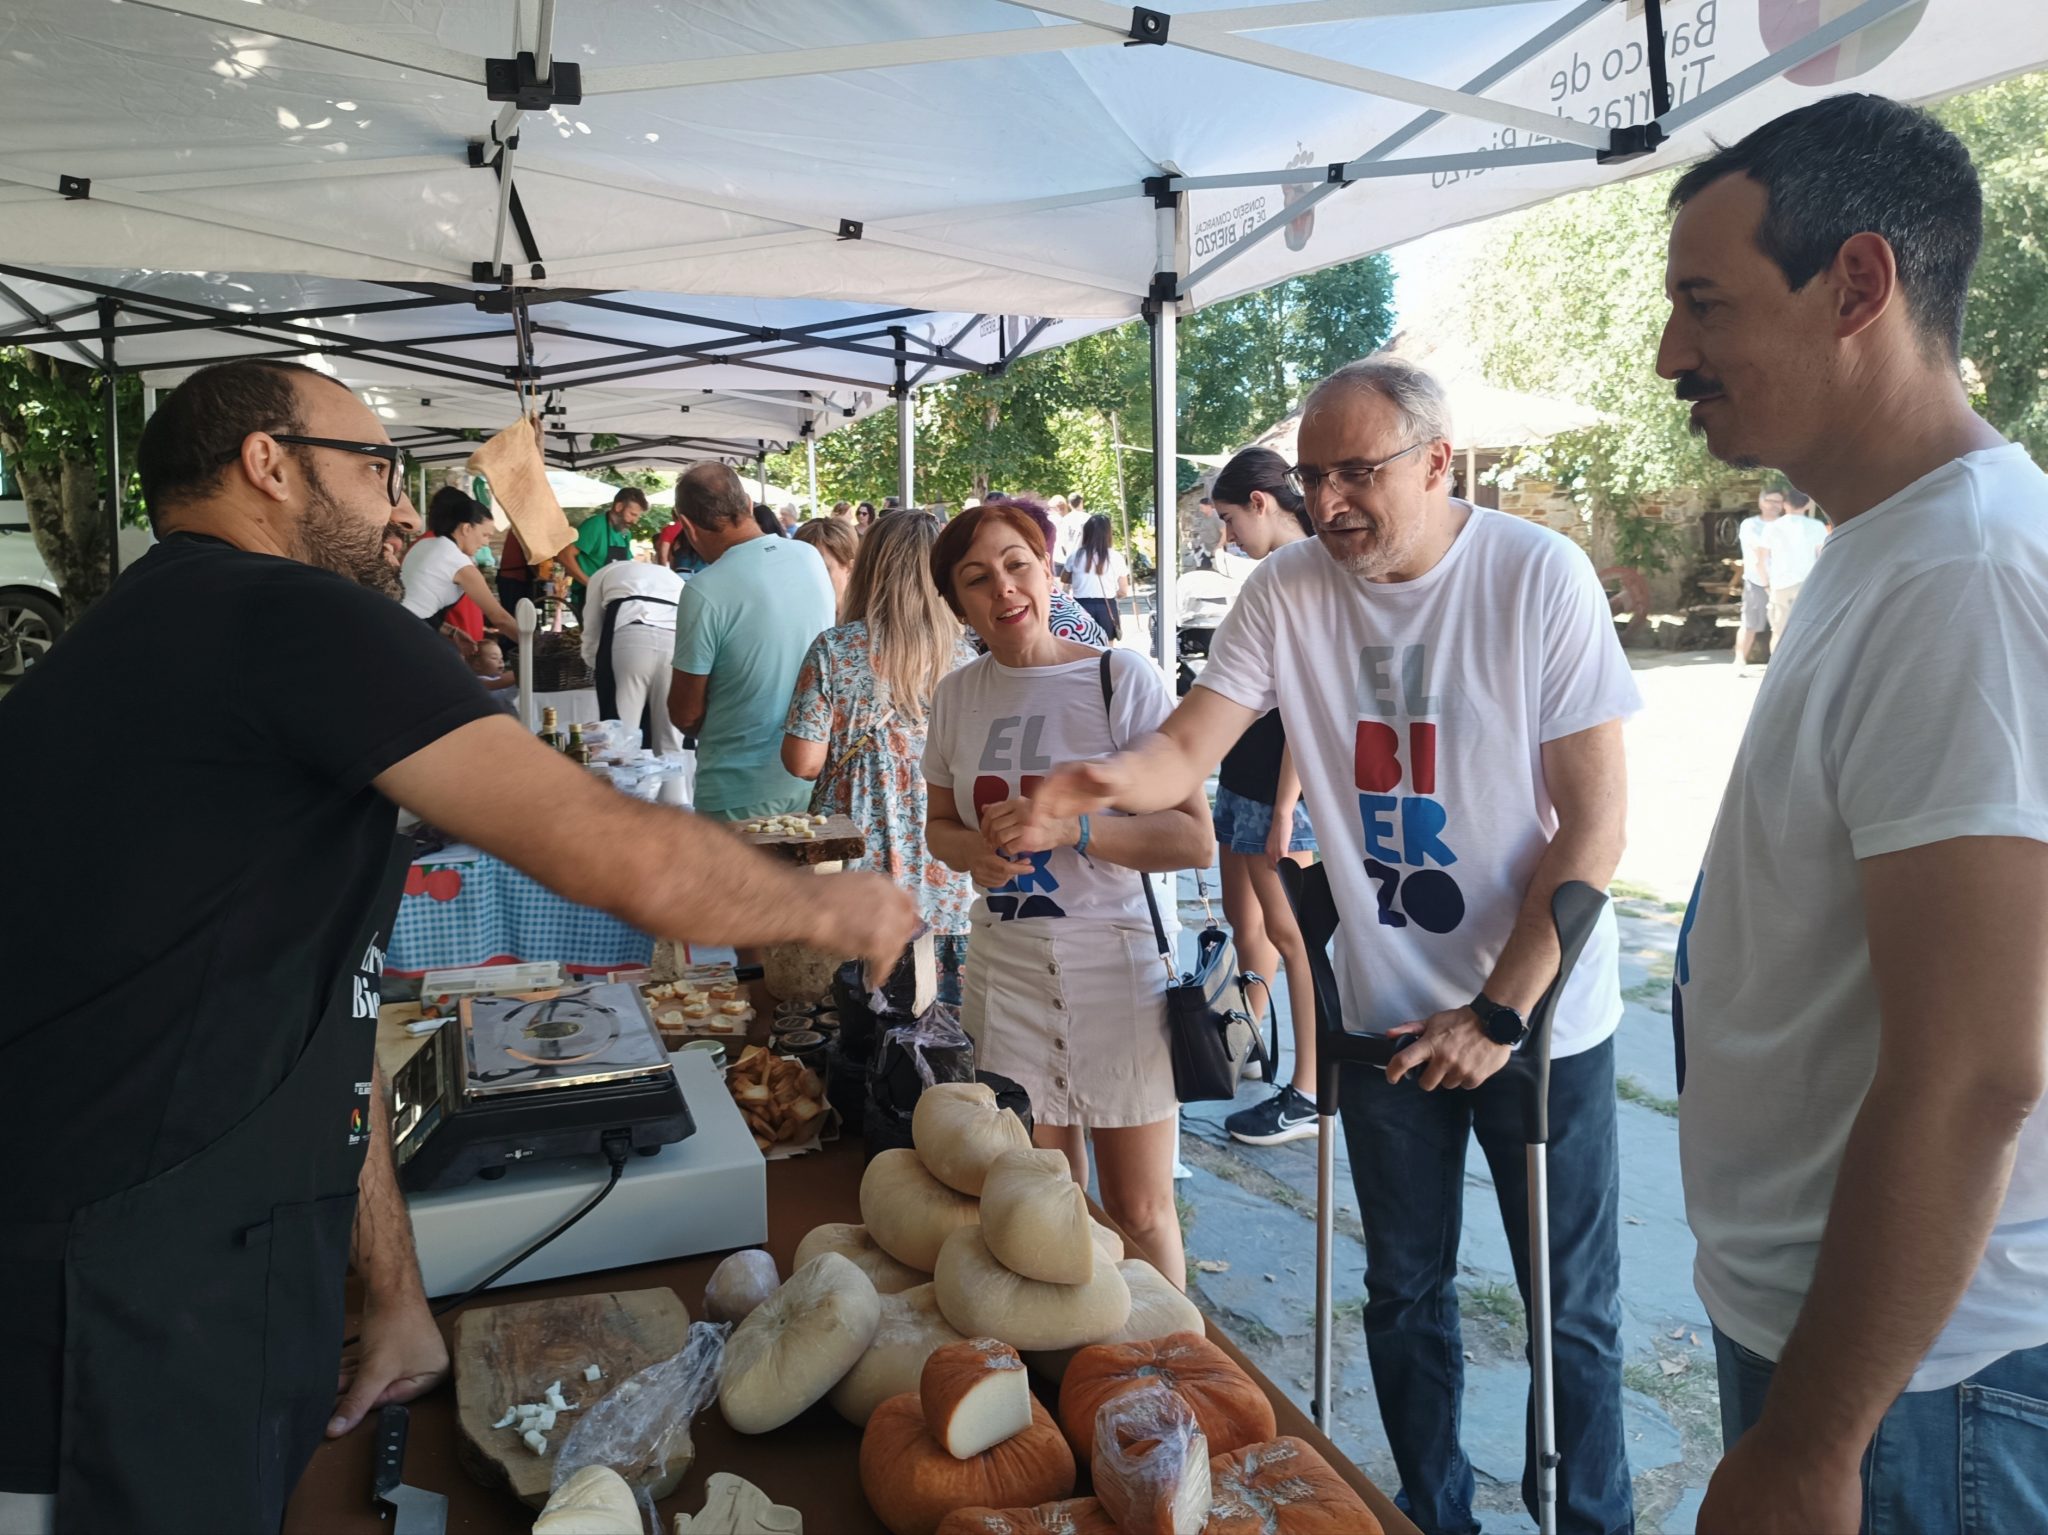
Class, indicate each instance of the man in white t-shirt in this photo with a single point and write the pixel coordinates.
(634, 603)
(1789, 549)
(1756, 599)
(1453, 692)
(1862, 999)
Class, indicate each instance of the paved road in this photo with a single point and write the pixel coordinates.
(1249, 1211)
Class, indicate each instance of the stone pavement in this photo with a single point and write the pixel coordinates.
(1248, 1212)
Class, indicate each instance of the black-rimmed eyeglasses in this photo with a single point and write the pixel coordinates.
(1351, 479)
(394, 473)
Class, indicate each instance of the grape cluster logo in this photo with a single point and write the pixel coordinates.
(1785, 22)
(1400, 807)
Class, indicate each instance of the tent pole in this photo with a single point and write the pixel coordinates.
(906, 426)
(108, 308)
(1162, 314)
(811, 465)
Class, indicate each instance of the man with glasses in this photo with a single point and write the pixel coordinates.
(1452, 686)
(197, 1145)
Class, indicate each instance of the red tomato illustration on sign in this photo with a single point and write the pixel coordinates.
(444, 884)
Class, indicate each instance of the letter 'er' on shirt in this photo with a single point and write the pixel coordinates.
(1907, 704)
(1418, 711)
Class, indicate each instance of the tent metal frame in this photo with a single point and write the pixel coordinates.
(530, 81)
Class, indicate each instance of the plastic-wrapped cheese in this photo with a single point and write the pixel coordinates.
(1068, 1516)
(912, 1483)
(739, 1284)
(909, 1211)
(593, 1501)
(858, 1246)
(1230, 1409)
(985, 1300)
(975, 1395)
(1151, 1464)
(910, 1329)
(1157, 1309)
(797, 1344)
(1282, 1487)
(1035, 1219)
(958, 1130)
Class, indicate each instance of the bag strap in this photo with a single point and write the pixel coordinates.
(1151, 900)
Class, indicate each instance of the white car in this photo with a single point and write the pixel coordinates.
(31, 607)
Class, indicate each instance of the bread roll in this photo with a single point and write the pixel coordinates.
(1157, 1309)
(912, 1483)
(909, 1211)
(958, 1130)
(594, 1501)
(1283, 1487)
(858, 1246)
(797, 1344)
(1231, 1410)
(1035, 1219)
(985, 1300)
(739, 1284)
(911, 1327)
(974, 1395)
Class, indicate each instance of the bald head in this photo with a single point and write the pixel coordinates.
(710, 496)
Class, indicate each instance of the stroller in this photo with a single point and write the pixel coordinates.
(1575, 908)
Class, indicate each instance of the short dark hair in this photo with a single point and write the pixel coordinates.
(958, 537)
(451, 509)
(632, 493)
(765, 520)
(710, 495)
(199, 427)
(1857, 164)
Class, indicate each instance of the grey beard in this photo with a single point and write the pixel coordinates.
(331, 538)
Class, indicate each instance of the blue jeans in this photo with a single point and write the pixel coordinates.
(1971, 1457)
(1407, 1150)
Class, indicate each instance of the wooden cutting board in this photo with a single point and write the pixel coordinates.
(510, 1354)
(835, 842)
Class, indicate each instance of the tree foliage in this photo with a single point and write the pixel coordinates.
(52, 434)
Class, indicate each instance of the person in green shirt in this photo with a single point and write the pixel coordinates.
(604, 539)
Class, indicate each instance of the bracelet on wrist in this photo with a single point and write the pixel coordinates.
(1081, 843)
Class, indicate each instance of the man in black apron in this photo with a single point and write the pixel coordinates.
(193, 990)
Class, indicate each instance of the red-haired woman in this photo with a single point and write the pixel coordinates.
(1065, 986)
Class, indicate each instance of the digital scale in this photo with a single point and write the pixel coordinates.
(541, 1076)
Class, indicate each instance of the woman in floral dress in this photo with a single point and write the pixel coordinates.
(857, 722)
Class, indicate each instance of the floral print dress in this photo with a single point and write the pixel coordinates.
(874, 774)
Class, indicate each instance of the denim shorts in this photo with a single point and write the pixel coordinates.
(1242, 825)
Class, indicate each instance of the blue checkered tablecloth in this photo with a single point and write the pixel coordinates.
(463, 907)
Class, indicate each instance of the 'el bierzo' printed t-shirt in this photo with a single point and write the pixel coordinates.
(1418, 711)
(1904, 706)
(997, 730)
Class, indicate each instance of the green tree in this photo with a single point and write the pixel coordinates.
(52, 431)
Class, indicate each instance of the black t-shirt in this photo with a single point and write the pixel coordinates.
(1253, 766)
(193, 836)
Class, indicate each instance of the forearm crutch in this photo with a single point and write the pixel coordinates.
(1575, 908)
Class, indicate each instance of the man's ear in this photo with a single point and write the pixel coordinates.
(1864, 278)
(266, 465)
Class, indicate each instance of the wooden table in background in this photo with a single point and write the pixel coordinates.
(812, 1463)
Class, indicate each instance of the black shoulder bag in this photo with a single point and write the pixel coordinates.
(1209, 1029)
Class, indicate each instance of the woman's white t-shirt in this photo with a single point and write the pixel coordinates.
(997, 730)
(1084, 580)
(429, 572)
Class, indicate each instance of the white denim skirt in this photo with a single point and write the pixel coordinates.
(1076, 1014)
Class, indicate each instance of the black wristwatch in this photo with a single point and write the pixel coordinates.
(1503, 1025)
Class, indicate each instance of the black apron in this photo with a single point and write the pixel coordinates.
(607, 679)
(203, 1310)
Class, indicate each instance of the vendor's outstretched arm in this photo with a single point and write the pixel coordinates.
(1956, 946)
(664, 871)
(402, 1354)
(1161, 772)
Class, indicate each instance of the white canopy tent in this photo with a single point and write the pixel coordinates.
(878, 191)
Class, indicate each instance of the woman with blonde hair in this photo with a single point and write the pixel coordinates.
(857, 723)
(837, 543)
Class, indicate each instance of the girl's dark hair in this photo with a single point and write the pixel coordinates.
(1095, 543)
(1260, 469)
(766, 521)
(451, 509)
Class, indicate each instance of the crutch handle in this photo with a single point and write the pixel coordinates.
(1575, 909)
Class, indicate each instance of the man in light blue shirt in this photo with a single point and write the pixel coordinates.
(743, 625)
